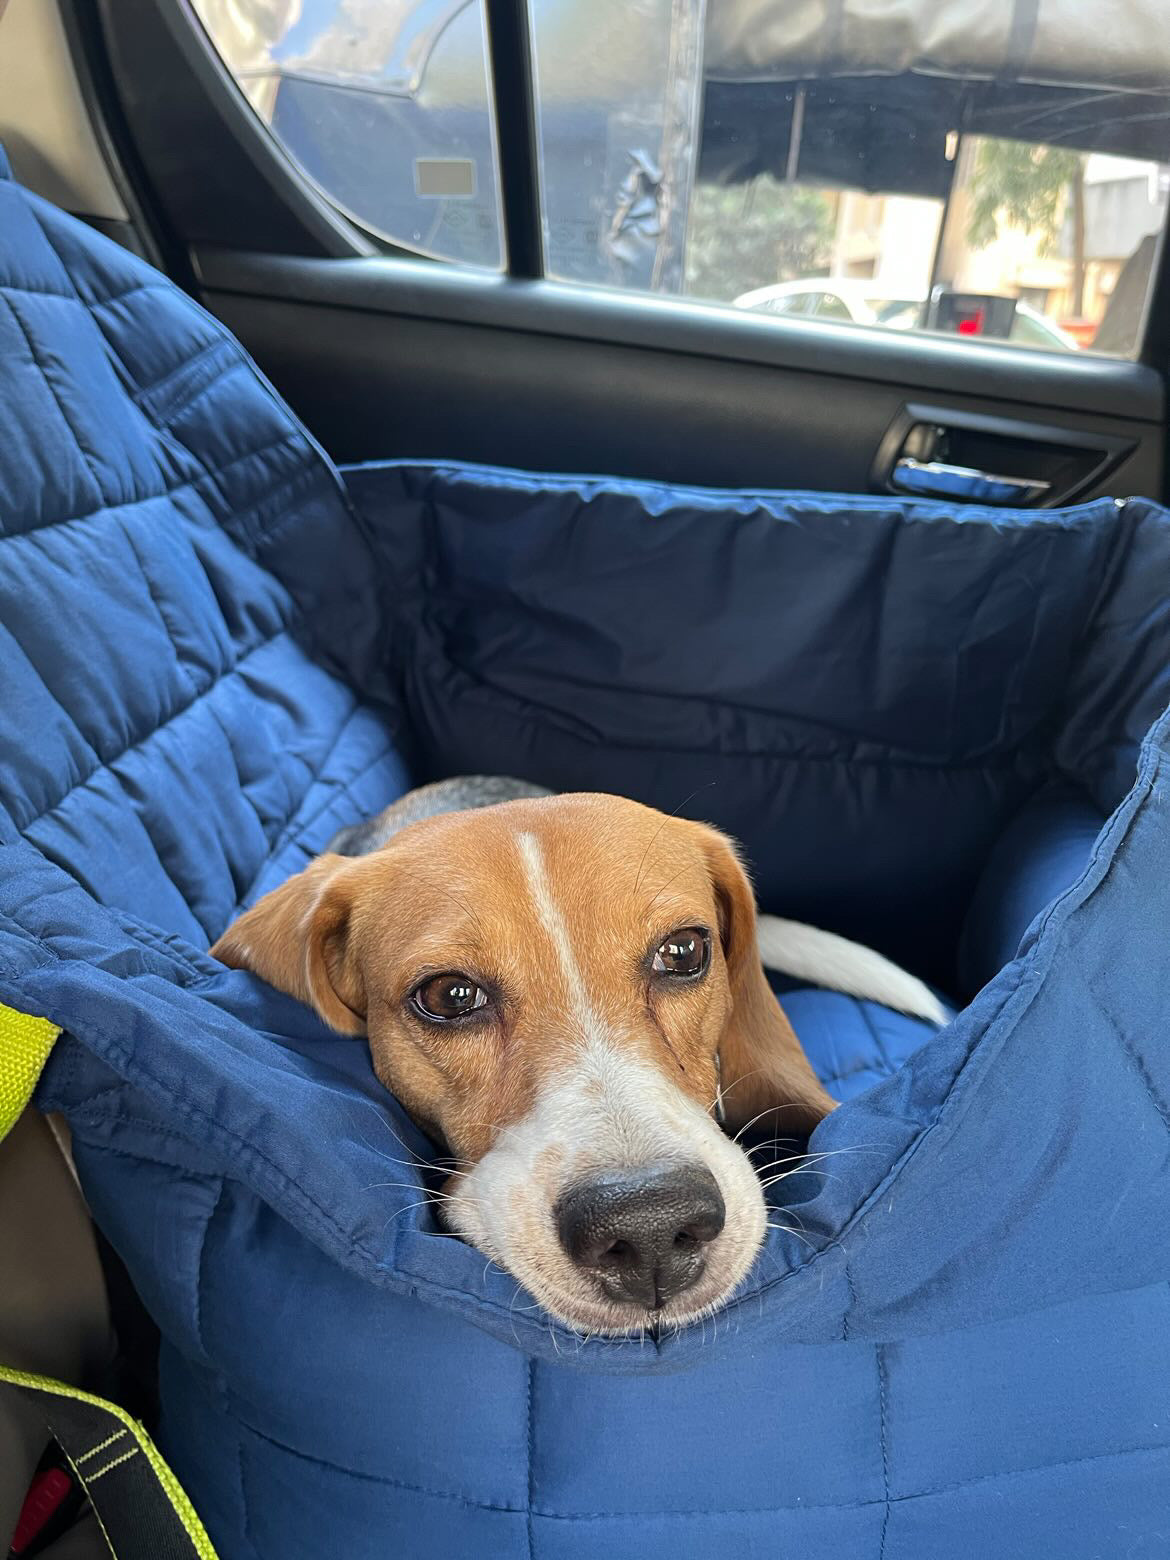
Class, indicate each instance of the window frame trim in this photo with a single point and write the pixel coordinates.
(513, 93)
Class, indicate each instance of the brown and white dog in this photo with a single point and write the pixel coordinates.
(567, 992)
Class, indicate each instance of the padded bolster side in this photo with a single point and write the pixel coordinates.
(1042, 852)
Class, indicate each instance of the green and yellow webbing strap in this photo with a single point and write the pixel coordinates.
(137, 1500)
(139, 1503)
(25, 1043)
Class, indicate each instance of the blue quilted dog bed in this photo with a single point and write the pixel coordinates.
(926, 727)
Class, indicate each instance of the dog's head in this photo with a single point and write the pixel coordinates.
(566, 993)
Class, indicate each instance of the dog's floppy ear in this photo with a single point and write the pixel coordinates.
(296, 938)
(763, 1071)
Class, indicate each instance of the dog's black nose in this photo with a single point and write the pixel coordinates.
(643, 1232)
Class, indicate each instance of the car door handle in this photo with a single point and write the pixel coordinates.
(936, 479)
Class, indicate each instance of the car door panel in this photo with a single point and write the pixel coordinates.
(386, 358)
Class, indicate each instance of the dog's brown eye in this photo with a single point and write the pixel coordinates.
(449, 996)
(685, 952)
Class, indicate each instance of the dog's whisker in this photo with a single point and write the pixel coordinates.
(722, 1093)
(760, 1148)
(410, 1208)
(649, 848)
(784, 1175)
(434, 1199)
(814, 1158)
(756, 1072)
(769, 1110)
(490, 1263)
(410, 1186)
(774, 1180)
(435, 1167)
(705, 787)
(787, 1159)
(803, 1161)
(788, 1230)
(764, 1251)
(443, 1163)
(467, 909)
(382, 1120)
(389, 1158)
(498, 1126)
(661, 891)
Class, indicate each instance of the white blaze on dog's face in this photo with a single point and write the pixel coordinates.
(554, 988)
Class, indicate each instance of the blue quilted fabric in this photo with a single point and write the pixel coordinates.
(938, 731)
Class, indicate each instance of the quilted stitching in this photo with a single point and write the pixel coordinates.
(146, 526)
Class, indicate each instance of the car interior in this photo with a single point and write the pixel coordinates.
(705, 243)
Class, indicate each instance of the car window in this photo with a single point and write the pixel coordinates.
(788, 303)
(935, 156)
(831, 307)
(1032, 332)
(386, 107)
(897, 313)
(927, 156)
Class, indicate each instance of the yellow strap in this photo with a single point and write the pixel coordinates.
(173, 1489)
(25, 1043)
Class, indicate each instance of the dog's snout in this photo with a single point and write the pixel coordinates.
(642, 1233)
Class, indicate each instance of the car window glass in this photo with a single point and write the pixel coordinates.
(991, 181)
(385, 105)
(831, 307)
(918, 148)
(790, 303)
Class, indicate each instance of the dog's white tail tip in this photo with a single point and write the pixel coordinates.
(807, 953)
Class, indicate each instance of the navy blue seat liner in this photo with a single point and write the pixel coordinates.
(936, 730)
